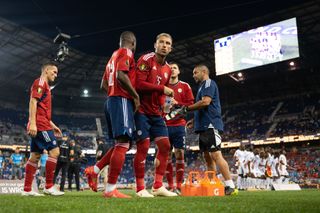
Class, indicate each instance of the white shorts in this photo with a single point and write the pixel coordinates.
(284, 172)
(274, 172)
(257, 173)
(240, 170)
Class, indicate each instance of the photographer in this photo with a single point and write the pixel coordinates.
(63, 161)
(75, 163)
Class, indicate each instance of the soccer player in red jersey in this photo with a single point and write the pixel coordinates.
(123, 100)
(153, 75)
(42, 131)
(176, 127)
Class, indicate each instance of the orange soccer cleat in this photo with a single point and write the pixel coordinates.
(92, 178)
(115, 194)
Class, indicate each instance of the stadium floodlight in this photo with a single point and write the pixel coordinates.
(239, 77)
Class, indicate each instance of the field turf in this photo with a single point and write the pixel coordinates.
(87, 201)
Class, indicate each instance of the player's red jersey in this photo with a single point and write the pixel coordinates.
(40, 90)
(121, 60)
(184, 96)
(151, 78)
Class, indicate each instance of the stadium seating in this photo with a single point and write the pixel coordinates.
(251, 120)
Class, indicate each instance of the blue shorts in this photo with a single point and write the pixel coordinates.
(120, 117)
(44, 140)
(177, 136)
(149, 126)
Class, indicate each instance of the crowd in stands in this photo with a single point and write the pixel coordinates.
(305, 160)
(252, 120)
(12, 164)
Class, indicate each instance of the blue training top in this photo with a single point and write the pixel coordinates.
(209, 117)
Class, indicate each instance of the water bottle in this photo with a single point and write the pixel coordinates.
(167, 104)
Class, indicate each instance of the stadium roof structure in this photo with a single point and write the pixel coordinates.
(23, 49)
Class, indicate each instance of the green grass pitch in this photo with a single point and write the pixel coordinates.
(87, 201)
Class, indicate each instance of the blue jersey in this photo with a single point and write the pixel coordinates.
(16, 159)
(1, 161)
(209, 117)
(43, 160)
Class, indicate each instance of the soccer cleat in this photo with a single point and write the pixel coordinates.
(230, 191)
(144, 193)
(92, 178)
(115, 194)
(53, 191)
(162, 191)
(31, 193)
(177, 191)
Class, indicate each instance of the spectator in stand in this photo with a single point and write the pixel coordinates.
(16, 161)
(1, 164)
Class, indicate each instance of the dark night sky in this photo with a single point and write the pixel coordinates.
(182, 19)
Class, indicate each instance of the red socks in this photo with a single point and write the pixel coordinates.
(31, 169)
(116, 161)
(50, 168)
(169, 174)
(179, 172)
(139, 162)
(105, 160)
(163, 145)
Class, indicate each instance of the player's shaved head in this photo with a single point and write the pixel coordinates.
(128, 40)
(46, 65)
(127, 36)
(241, 147)
(203, 68)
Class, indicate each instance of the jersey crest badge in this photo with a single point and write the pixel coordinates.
(143, 67)
(39, 90)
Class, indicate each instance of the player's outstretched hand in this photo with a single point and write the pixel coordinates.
(190, 124)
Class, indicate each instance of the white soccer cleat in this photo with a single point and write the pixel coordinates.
(162, 191)
(53, 191)
(144, 193)
(31, 193)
